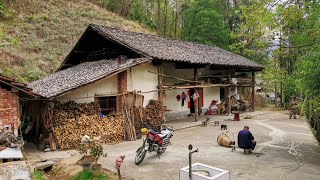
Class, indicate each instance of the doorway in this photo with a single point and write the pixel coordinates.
(191, 92)
(222, 93)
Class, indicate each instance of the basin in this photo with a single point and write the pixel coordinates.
(204, 172)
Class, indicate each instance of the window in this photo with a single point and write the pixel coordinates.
(107, 104)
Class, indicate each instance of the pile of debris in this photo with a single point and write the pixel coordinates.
(72, 121)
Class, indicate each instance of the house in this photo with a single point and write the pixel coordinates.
(13, 98)
(106, 63)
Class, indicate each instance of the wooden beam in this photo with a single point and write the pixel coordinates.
(160, 74)
(196, 101)
(253, 91)
(160, 97)
(195, 86)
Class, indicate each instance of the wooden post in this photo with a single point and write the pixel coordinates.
(303, 105)
(160, 78)
(253, 91)
(310, 111)
(275, 88)
(229, 93)
(196, 101)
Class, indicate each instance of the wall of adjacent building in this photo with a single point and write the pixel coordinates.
(9, 109)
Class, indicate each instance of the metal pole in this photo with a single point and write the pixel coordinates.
(190, 170)
(190, 159)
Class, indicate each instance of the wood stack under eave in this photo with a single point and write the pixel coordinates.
(153, 114)
(138, 121)
(72, 121)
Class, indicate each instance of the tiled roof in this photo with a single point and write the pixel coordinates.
(73, 77)
(175, 50)
(20, 86)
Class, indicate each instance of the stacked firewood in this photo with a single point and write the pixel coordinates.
(62, 112)
(153, 115)
(72, 121)
(138, 120)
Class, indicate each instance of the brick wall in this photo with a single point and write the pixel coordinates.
(9, 109)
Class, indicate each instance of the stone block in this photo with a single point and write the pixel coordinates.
(43, 165)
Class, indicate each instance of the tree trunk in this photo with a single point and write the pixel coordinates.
(165, 17)
(158, 18)
(317, 121)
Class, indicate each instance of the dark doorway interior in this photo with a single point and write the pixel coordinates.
(222, 93)
(192, 109)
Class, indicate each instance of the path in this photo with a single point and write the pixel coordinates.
(273, 131)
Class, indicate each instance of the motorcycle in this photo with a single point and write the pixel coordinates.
(154, 141)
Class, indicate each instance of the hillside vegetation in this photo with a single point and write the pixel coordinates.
(36, 35)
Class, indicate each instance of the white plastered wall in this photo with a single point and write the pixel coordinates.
(210, 93)
(139, 79)
(86, 93)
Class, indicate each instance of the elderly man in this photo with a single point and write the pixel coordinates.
(246, 140)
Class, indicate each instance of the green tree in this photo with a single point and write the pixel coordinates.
(205, 25)
(252, 36)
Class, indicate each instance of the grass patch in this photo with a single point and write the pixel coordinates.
(44, 31)
(90, 175)
(38, 175)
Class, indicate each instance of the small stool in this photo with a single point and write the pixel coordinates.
(236, 115)
(233, 148)
(216, 123)
(247, 151)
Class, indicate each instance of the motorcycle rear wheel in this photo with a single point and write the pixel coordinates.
(141, 153)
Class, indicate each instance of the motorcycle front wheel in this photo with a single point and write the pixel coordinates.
(141, 153)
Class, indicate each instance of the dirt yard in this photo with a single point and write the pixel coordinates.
(273, 131)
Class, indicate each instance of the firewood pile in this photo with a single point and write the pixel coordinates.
(153, 115)
(150, 116)
(138, 120)
(62, 112)
(72, 121)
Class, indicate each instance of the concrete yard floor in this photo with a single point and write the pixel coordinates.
(273, 131)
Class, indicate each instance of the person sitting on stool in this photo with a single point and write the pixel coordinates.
(246, 140)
